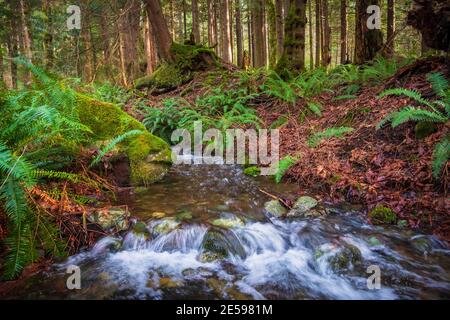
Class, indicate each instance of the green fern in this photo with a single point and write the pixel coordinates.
(113, 143)
(20, 250)
(314, 107)
(437, 111)
(283, 166)
(333, 132)
(441, 155)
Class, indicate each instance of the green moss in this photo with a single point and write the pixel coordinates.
(149, 155)
(252, 171)
(424, 129)
(382, 215)
(186, 60)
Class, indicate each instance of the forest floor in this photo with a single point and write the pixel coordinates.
(370, 167)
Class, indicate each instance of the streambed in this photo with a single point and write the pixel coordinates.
(204, 234)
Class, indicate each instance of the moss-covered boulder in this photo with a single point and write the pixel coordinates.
(149, 156)
(382, 215)
(187, 59)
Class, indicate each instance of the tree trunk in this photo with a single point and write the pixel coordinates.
(432, 19)
(311, 49)
(212, 24)
(159, 28)
(390, 44)
(279, 27)
(344, 29)
(88, 64)
(195, 21)
(368, 42)
(106, 43)
(239, 42)
(25, 36)
(184, 21)
(172, 20)
(294, 42)
(48, 34)
(326, 43)
(272, 33)
(318, 33)
(225, 30)
(149, 46)
(258, 33)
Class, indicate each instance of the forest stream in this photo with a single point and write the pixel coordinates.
(208, 236)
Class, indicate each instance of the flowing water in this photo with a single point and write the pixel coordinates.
(206, 236)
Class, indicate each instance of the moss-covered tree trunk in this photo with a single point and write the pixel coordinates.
(368, 42)
(344, 24)
(279, 27)
(293, 58)
(239, 40)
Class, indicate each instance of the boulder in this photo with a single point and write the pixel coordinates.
(305, 206)
(275, 209)
(108, 218)
(149, 156)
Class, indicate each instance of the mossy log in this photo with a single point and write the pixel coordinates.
(149, 156)
(187, 59)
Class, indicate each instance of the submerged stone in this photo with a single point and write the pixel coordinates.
(108, 218)
(165, 226)
(228, 222)
(220, 244)
(303, 207)
(275, 209)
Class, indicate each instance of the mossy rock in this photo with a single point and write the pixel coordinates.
(424, 129)
(149, 156)
(347, 257)
(274, 208)
(382, 215)
(187, 59)
(252, 171)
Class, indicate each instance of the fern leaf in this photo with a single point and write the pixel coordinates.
(283, 166)
(328, 133)
(315, 108)
(113, 143)
(412, 94)
(439, 83)
(441, 154)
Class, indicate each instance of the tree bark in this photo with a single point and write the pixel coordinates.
(368, 42)
(239, 40)
(88, 64)
(279, 27)
(272, 33)
(212, 24)
(25, 36)
(390, 44)
(195, 21)
(225, 30)
(160, 30)
(432, 19)
(344, 30)
(318, 33)
(294, 42)
(48, 34)
(326, 43)
(311, 49)
(149, 46)
(258, 34)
